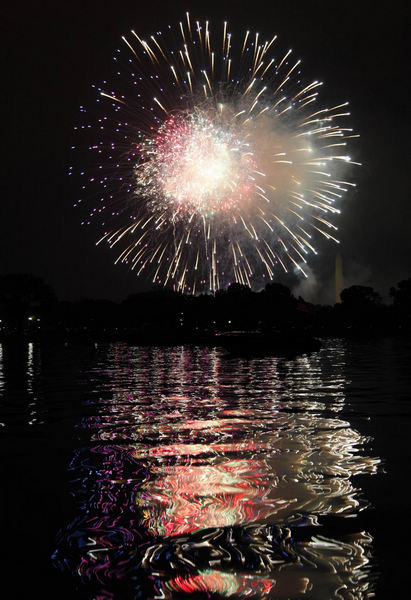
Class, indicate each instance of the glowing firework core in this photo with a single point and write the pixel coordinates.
(197, 164)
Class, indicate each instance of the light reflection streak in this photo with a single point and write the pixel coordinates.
(1, 377)
(204, 473)
(281, 474)
(30, 389)
(1, 367)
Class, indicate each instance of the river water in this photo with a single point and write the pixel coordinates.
(179, 472)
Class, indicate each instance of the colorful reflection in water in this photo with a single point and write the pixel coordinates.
(209, 477)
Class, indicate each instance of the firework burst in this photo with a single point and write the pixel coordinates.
(216, 164)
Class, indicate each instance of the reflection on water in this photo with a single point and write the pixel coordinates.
(1, 377)
(1, 367)
(209, 477)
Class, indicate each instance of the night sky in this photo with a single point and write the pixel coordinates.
(54, 51)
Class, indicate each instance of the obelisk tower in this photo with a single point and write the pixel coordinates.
(339, 278)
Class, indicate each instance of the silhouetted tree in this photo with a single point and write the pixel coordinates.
(360, 296)
(159, 308)
(239, 289)
(23, 298)
(235, 307)
(278, 306)
(278, 291)
(361, 309)
(401, 296)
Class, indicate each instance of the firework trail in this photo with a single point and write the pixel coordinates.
(216, 164)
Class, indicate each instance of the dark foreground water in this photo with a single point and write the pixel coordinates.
(138, 472)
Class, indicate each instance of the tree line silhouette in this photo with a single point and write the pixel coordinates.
(29, 308)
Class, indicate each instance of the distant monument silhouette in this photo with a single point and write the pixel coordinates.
(339, 278)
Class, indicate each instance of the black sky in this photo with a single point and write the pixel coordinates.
(53, 52)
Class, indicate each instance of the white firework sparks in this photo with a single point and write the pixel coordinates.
(217, 165)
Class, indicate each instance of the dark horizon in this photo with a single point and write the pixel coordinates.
(274, 317)
(386, 296)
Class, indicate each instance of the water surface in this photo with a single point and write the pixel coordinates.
(147, 472)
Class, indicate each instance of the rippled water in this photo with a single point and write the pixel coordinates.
(144, 472)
